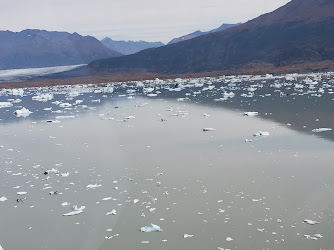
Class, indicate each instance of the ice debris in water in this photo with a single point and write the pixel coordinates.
(152, 228)
(208, 129)
(75, 211)
(261, 133)
(5, 105)
(318, 130)
(3, 198)
(24, 112)
(250, 113)
(43, 97)
(112, 212)
(188, 236)
(93, 186)
(310, 222)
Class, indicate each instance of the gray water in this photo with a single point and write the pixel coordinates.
(212, 185)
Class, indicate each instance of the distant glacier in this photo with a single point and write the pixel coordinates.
(10, 75)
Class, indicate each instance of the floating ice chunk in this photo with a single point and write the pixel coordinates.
(229, 239)
(19, 92)
(73, 213)
(65, 105)
(92, 186)
(65, 116)
(187, 236)
(5, 105)
(65, 174)
(3, 199)
(43, 97)
(113, 212)
(250, 113)
(152, 209)
(261, 133)
(21, 193)
(151, 95)
(76, 210)
(310, 222)
(65, 204)
(110, 237)
(135, 201)
(107, 198)
(1, 247)
(318, 130)
(152, 228)
(129, 117)
(208, 129)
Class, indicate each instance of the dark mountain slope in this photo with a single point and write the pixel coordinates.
(201, 33)
(301, 31)
(40, 48)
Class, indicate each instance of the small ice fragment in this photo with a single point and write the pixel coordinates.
(3, 199)
(65, 204)
(65, 174)
(152, 228)
(135, 201)
(261, 133)
(22, 112)
(208, 129)
(229, 239)
(145, 242)
(113, 212)
(318, 130)
(21, 193)
(152, 209)
(250, 113)
(310, 222)
(92, 186)
(110, 237)
(187, 236)
(5, 105)
(107, 198)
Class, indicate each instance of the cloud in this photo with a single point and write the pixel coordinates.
(130, 19)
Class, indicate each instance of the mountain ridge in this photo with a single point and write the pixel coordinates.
(33, 48)
(129, 47)
(299, 32)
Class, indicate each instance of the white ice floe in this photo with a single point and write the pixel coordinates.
(187, 236)
(21, 193)
(5, 105)
(310, 222)
(261, 133)
(93, 186)
(76, 210)
(250, 113)
(152, 228)
(318, 130)
(3, 199)
(112, 212)
(208, 129)
(43, 97)
(229, 239)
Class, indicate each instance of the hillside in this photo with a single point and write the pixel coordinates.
(201, 33)
(302, 31)
(40, 48)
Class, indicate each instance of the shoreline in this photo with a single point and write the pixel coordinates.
(112, 77)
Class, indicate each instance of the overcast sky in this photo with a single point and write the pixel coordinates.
(150, 20)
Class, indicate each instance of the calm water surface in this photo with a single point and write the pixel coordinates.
(226, 192)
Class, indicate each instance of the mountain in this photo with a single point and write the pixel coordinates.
(302, 31)
(200, 33)
(129, 47)
(41, 48)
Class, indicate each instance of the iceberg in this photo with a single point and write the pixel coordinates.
(250, 113)
(261, 133)
(152, 228)
(24, 112)
(5, 105)
(318, 130)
